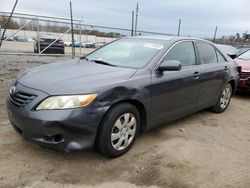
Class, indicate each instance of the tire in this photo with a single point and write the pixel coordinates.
(124, 136)
(224, 99)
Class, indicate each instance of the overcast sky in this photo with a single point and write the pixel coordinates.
(199, 17)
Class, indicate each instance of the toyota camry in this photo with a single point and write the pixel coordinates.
(129, 86)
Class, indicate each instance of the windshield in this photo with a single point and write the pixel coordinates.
(133, 53)
(245, 55)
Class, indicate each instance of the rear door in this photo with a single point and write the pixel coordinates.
(213, 71)
(175, 93)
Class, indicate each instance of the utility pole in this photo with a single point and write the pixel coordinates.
(215, 32)
(136, 17)
(38, 35)
(179, 28)
(72, 31)
(245, 35)
(80, 36)
(132, 29)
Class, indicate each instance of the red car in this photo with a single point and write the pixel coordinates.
(243, 60)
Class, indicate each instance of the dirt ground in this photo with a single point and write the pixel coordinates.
(202, 150)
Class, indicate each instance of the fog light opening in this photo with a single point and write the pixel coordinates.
(54, 138)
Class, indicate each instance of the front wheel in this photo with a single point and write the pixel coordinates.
(224, 99)
(118, 130)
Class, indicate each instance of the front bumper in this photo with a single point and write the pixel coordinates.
(66, 130)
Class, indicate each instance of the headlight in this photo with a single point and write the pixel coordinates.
(65, 102)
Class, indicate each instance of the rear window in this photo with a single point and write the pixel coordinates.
(220, 57)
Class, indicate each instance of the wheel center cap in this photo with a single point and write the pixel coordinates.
(124, 131)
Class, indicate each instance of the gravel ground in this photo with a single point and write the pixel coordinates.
(202, 150)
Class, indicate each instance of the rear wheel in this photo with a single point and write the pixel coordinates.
(224, 99)
(118, 130)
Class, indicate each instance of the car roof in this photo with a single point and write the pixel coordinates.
(166, 38)
(170, 38)
(154, 37)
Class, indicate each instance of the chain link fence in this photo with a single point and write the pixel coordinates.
(24, 33)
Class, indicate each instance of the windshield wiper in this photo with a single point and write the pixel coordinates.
(83, 57)
(103, 62)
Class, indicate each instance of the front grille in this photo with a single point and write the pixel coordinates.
(245, 75)
(21, 99)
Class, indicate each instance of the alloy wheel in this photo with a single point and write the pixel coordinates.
(123, 131)
(225, 97)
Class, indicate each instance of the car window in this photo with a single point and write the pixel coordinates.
(207, 53)
(183, 52)
(220, 57)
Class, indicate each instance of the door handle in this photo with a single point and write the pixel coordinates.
(225, 68)
(196, 75)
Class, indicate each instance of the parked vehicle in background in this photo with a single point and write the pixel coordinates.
(243, 60)
(243, 48)
(88, 44)
(67, 43)
(45, 40)
(31, 39)
(21, 38)
(10, 39)
(99, 44)
(128, 86)
(229, 50)
(77, 44)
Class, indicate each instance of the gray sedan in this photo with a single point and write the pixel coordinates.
(128, 86)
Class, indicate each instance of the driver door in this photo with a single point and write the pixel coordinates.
(175, 93)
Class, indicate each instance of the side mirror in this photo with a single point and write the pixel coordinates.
(170, 65)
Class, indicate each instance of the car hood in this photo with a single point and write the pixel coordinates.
(73, 77)
(245, 64)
